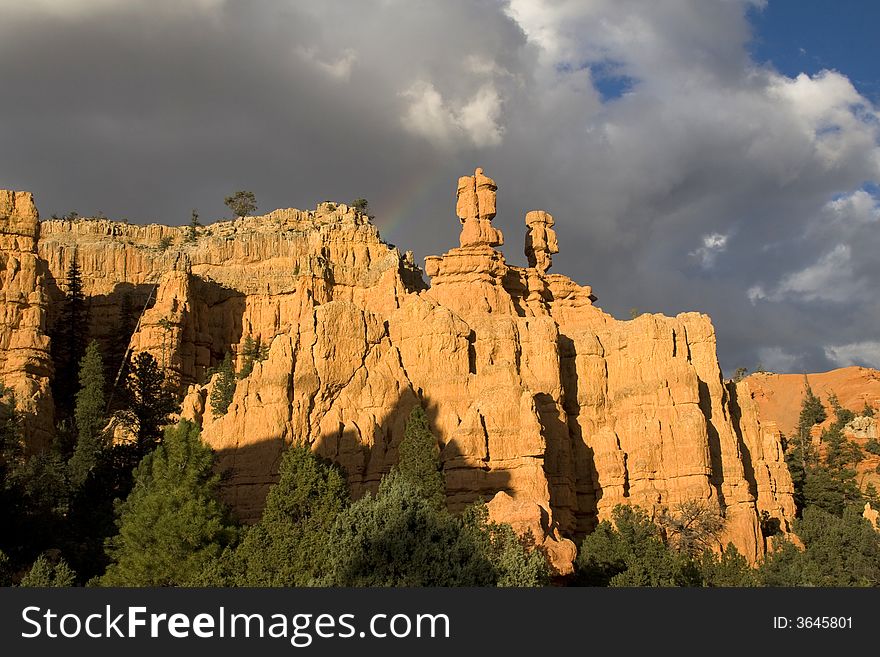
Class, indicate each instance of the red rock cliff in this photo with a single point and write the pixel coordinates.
(541, 402)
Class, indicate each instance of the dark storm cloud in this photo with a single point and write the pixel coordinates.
(709, 184)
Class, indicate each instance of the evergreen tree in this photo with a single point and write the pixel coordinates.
(729, 568)
(10, 435)
(831, 489)
(839, 451)
(242, 203)
(90, 418)
(43, 501)
(404, 537)
(631, 552)
(253, 351)
(171, 525)
(362, 206)
(46, 573)
(224, 387)
(827, 482)
(194, 225)
(838, 551)
(515, 560)
(800, 454)
(11, 458)
(290, 545)
(400, 538)
(419, 460)
(149, 400)
(69, 340)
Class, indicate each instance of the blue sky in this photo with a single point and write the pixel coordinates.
(806, 36)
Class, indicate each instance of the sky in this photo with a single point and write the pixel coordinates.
(720, 156)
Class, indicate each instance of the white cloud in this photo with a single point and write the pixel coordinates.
(829, 111)
(430, 116)
(713, 244)
(830, 278)
(865, 353)
(756, 293)
(858, 208)
(479, 118)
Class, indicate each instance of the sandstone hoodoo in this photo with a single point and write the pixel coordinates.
(545, 406)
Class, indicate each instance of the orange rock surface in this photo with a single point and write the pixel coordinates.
(542, 403)
(25, 364)
(778, 399)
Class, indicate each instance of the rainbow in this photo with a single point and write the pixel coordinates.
(411, 199)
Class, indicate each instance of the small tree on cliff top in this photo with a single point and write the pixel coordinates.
(242, 203)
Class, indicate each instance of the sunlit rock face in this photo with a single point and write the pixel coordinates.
(542, 403)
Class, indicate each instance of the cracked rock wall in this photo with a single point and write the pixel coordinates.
(541, 402)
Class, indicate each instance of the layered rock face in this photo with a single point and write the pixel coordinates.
(25, 364)
(205, 293)
(542, 403)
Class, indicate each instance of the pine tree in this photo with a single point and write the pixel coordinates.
(171, 526)
(69, 340)
(253, 351)
(290, 545)
(516, 561)
(194, 225)
(631, 552)
(419, 460)
(801, 456)
(224, 387)
(149, 400)
(400, 538)
(90, 419)
(729, 568)
(403, 537)
(838, 551)
(242, 203)
(46, 573)
(12, 510)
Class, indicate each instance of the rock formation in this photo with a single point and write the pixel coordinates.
(544, 405)
(541, 241)
(475, 207)
(25, 364)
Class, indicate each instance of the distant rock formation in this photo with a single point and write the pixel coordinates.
(778, 398)
(543, 405)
